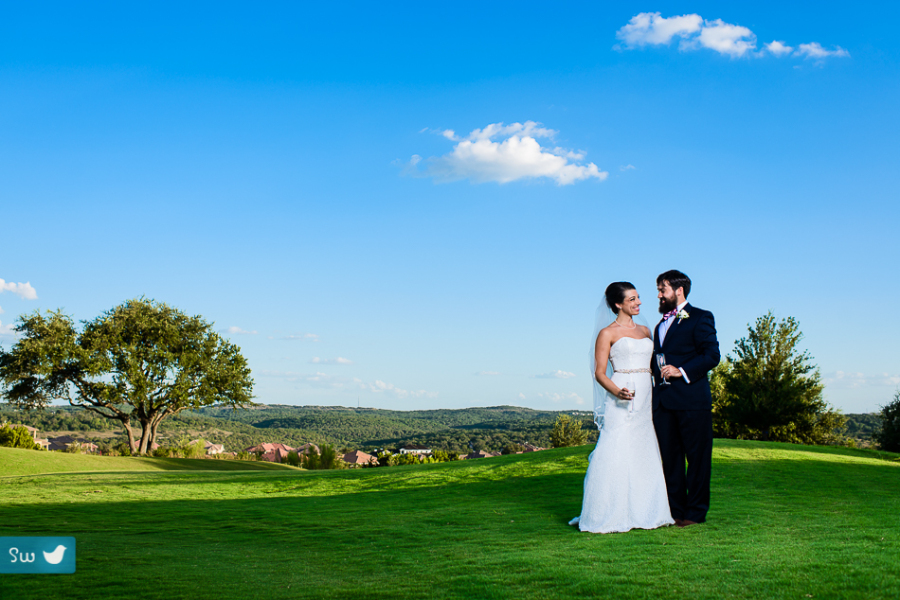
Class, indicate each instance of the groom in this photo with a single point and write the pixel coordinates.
(682, 411)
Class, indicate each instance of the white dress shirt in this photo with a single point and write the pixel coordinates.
(664, 329)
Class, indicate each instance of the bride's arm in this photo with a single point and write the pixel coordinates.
(601, 352)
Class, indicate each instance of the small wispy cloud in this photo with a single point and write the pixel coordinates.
(693, 32)
(556, 375)
(628, 168)
(389, 388)
(521, 396)
(317, 379)
(328, 381)
(488, 373)
(22, 290)
(502, 153)
(844, 379)
(816, 52)
(330, 361)
(6, 330)
(562, 397)
(307, 337)
(234, 330)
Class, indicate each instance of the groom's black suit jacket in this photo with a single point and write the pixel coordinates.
(691, 345)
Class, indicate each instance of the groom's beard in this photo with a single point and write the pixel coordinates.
(666, 305)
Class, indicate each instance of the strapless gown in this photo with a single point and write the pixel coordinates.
(624, 487)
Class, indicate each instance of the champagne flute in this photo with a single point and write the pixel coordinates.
(632, 387)
(661, 362)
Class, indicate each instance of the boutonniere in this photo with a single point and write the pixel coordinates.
(682, 314)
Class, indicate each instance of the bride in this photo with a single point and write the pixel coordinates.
(624, 487)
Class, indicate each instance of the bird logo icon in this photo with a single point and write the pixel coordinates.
(55, 557)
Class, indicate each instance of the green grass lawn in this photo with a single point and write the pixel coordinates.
(786, 522)
(15, 462)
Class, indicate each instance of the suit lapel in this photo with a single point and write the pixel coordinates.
(674, 327)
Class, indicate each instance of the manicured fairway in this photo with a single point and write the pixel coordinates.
(787, 522)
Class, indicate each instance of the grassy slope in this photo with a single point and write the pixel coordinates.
(33, 462)
(787, 522)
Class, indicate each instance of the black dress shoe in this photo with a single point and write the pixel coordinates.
(686, 523)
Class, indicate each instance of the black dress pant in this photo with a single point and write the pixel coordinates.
(686, 434)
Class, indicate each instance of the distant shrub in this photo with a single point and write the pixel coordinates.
(292, 459)
(512, 449)
(162, 452)
(567, 432)
(888, 437)
(242, 455)
(17, 437)
(122, 449)
(74, 448)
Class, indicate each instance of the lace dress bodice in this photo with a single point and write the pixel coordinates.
(629, 354)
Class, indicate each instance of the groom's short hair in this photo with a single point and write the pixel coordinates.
(676, 280)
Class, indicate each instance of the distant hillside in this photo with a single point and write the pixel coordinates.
(862, 425)
(364, 428)
(460, 430)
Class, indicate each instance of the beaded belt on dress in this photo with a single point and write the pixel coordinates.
(632, 371)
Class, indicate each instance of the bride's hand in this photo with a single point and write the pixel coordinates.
(625, 394)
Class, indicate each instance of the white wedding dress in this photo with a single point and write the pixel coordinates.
(624, 487)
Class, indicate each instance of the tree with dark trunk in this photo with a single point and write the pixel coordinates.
(138, 363)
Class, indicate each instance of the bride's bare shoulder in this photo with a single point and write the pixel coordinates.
(607, 334)
(645, 330)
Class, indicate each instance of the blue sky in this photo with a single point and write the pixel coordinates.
(255, 165)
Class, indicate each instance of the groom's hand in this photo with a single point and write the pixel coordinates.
(668, 372)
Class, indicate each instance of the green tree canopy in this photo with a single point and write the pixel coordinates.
(567, 432)
(16, 436)
(888, 437)
(140, 362)
(770, 390)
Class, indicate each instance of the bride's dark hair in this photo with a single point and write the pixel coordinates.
(615, 294)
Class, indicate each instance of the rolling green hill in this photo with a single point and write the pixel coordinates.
(786, 522)
(366, 429)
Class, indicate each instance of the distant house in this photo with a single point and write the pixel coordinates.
(305, 448)
(271, 452)
(42, 442)
(415, 449)
(63, 442)
(532, 448)
(358, 458)
(211, 449)
(479, 454)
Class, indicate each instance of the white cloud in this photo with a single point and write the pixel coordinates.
(563, 397)
(843, 379)
(504, 153)
(815, 51)
(725, 38)
(382, 387)
(556, 375)
(317, 379)
(653, 28)
(234, 330)
(695, 32)
(330, 361)
(521, 396)
(22, 290)
(6, 330)
(628, 168)
(488, 373)
(309, 337)
(778, 48)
